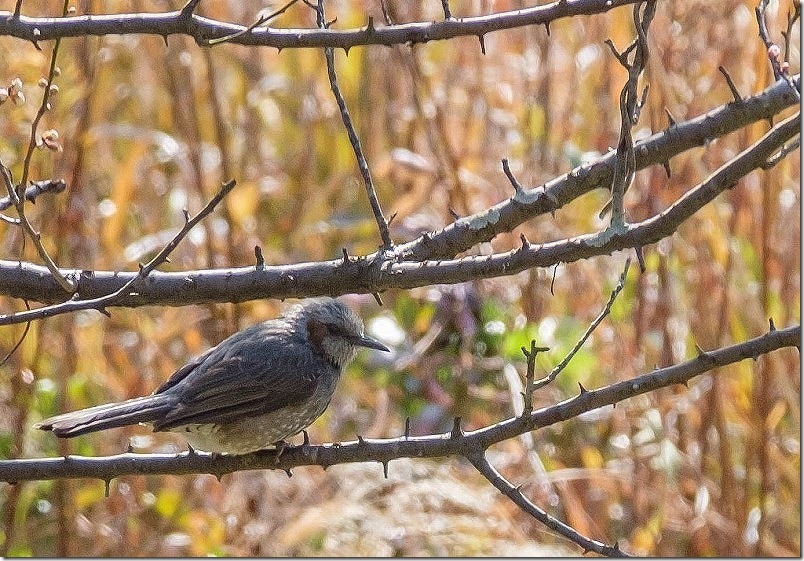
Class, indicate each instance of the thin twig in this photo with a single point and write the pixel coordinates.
(260, 21)
(592, 326)
(102, 302)
(479, 461)
(734, 91)
(362, 164)
(19, 199)
(780, 71)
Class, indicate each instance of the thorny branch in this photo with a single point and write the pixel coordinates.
(470, 444)
(479, 461)
(204, 29)
(369, 274)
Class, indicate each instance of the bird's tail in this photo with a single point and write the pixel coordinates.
(138, 410)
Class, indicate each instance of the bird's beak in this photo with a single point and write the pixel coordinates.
(368, 342)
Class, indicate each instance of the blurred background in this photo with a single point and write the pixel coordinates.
(148, 129)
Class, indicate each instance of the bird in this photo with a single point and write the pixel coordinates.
(253, 390)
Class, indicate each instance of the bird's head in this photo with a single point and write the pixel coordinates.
(333, 330)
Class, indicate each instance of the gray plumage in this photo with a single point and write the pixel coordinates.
(254, 389)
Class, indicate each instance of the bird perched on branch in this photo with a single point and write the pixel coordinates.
(253, 390)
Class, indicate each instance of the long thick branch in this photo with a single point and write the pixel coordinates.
(659, 148)
(454, 443)
(204, 29)
(374, 274)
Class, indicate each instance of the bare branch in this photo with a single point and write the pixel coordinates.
(774, 51)
(375, 273)
(362, 163)
(495, 478)
(195, 26)
(592, 326)
(406, 446)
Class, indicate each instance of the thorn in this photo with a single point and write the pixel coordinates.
(306, 438)
(105, 312)
(457, 432)
(107, 483)
(260, 265)
(518, 488)
(129, 448)
(391, 219)
(218, 476)
(290, 473)
(190, 450)
(547, 27)
(666, 166)
(454, 214)
(699, 350)
(407, 428)
(583, 389)
(186, 214)
(482, 44)
(385, 469)
(377, 298)
(525, 242)
(771, 325)
(370, 26)
(345, 256)
(360, 439)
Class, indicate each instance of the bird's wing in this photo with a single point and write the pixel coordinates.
(250, 375)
